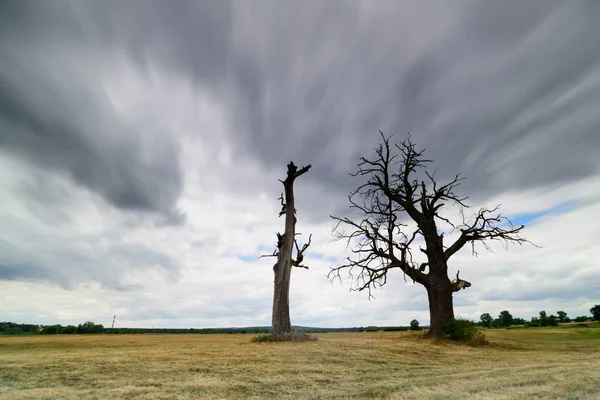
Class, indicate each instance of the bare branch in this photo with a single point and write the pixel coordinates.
(275, 254)
(293, 172)
(381, 244)
(283, 208)
(459, 284)
(278, 247)
(300, 253)
(487, 226)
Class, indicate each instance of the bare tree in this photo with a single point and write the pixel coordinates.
(398, 189)
(284, 253)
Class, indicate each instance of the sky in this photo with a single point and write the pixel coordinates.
(141, 143)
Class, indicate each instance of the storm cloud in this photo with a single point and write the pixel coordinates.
(119, 118)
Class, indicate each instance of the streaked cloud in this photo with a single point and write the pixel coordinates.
(141, 145)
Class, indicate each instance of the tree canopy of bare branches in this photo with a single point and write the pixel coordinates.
(397, 188)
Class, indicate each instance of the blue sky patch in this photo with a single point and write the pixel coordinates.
(321, 256)
(529, 218)
(247, 258)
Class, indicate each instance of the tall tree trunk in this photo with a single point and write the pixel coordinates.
(283, 269)
(441, 309)
(439, 287)
(280, 322)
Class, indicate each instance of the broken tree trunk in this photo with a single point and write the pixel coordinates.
(284, 253)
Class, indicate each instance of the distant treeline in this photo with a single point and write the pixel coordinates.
(11, 328)
(505, 319)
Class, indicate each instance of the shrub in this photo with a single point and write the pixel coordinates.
(89, 327)
(464, 331)
(294, 336)
(243, 331)
(372, 329)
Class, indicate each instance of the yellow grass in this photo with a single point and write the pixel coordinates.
(521, 364)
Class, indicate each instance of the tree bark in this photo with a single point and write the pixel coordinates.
(441, 308)
(281, 300)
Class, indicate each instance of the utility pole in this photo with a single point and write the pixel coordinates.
(113, 324)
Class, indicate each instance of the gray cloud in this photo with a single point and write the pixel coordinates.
(60, 120)
(77, 264)
(505, 92)
(314, 82)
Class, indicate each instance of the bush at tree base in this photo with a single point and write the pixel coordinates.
(464, 331)
(294, 336)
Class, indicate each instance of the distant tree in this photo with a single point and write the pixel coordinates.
(518, 321)
(414, 325)
(595, 312)
(505, 318)
(89, 327)
(397, 187)
(546, 320)
(361, 329)
(50, 330)
(280, 322)
(243, 331)
(497, 323)
(543, 318)
(581, 318)
(372, 329)
(562, 317)
(69, 330)
(486, 320)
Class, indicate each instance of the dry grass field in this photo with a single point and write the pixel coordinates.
(520, 364)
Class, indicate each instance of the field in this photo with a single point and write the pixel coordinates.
(553, 363)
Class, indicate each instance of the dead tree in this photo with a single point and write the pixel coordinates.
(284, 252)
(399, 188)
